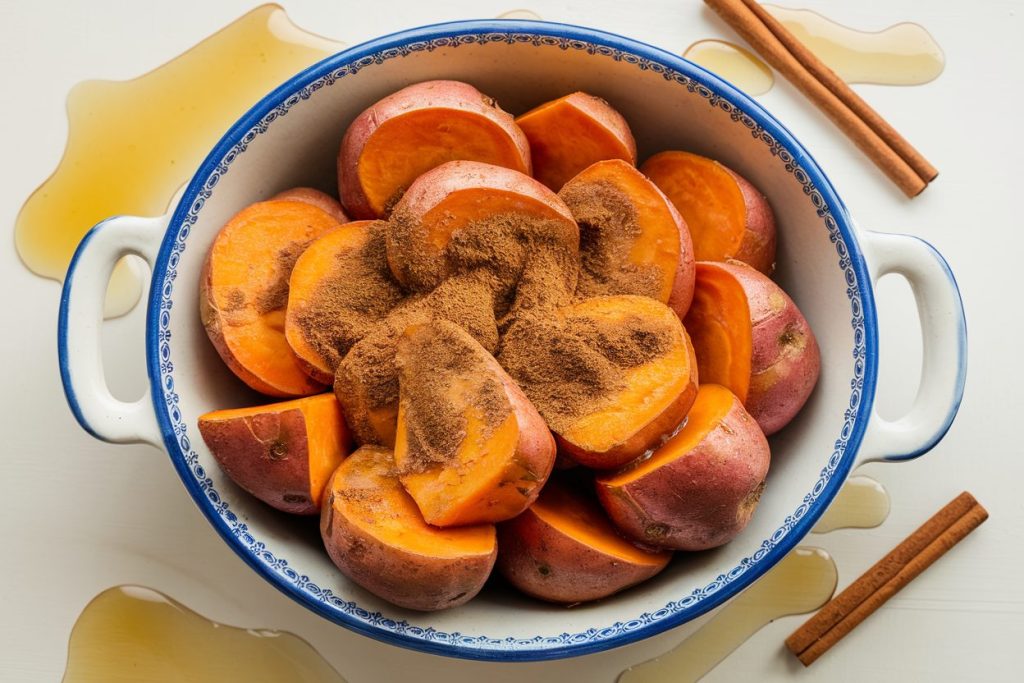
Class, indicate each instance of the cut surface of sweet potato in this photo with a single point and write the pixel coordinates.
(340, 289)
(416, 129)
(281, 453)
(469, 447)
(719, 325)
(244, 291)
(632, 240)
(564, 549)
(568, 134)
(611, 375)
(728, 218)
(375, 534)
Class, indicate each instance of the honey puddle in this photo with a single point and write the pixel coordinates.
(129, 633)
(132, 144)
(862, 503)
(733, 63)
(801, 582)
(903, 54)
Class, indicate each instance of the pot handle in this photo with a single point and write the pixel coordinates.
(944, 348)
(78, 330)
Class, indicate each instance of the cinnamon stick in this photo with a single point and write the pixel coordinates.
(887, 577)
(889, 150)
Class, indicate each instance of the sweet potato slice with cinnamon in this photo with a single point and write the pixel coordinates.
(340, 289)
(470, 447)
(366, 382)
(376, 536)
(701, 487)
(244, 290)
(568, 134)
(281, 453)
(612, 376)
(465, 216)
(564, 549)
(320, 200)
(728, 217)
(632, 240)
(404, 135)
(750, 337)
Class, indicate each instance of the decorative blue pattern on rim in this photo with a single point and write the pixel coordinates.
(719, 95)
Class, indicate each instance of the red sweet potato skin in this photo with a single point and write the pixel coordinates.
(786, 360)
(701, 499)
(266, 454)
(545, 563)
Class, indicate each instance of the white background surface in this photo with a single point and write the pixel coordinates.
(78, 516)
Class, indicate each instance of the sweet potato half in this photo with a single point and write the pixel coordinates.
(700, 488)
(244, 291)
(443, 223)
(404, 135)
(612, 376)
(564, 549)
(728, 217)
(375, 534)
(568, 134)
(750, 337)
(632, 240)
(320, 200)
(281, 453)
(470, 447)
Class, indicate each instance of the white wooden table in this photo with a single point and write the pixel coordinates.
(78, 515)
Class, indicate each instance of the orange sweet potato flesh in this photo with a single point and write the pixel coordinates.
(281, 453)
(632, 239)
(655, 399)
(564, 549)
(375, 534)
(728, 218)
(244, 291)
(336, 256)
(719, 325)
(568, 134)
(504, 453)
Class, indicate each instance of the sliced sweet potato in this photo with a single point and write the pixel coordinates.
(700, 488)
(340, 289)
(366, 382)
(466, 215)
(632, 240)
(719, 326)
(612, 376)
(244, 290)
(564, 549)
(728, 217)
(568, 134)
(281, 453)
(376, 536)
(750, 337)
(470, 447)
(409, 132)
(320, 200)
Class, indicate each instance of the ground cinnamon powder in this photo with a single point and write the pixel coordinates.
(349, 302)
(609, 225)
(444, 375)
(571, 366)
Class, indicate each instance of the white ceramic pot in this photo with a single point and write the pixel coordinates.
(291, 138)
